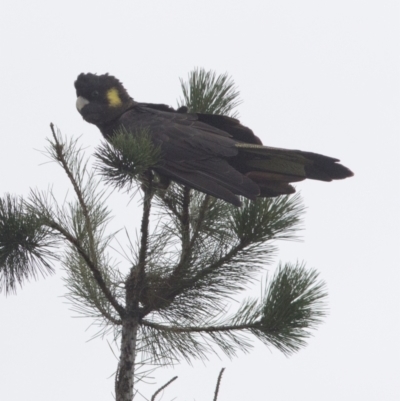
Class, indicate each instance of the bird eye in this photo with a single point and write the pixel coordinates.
(95, 94)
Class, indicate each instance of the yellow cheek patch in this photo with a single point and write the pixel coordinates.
(113, 97)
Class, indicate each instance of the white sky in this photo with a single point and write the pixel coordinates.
(314, 75)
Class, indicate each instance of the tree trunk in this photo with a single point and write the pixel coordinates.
(124, 384)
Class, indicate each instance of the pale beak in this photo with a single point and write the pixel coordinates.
(81, 102)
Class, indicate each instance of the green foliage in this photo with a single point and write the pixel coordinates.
(294, 303)
(228, 244)
(205, 92)
(85, 220)
(125, 157)
(25, 245)
(228, 247)
(85, 295)
(267, 218)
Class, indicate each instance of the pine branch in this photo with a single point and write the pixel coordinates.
(292, 305)
(60, 156)
(69, 159)
(175, 287)
(26, 245)
(84, 292)
(125, 157)
(207, 93)
(91, 265)
(219, 269)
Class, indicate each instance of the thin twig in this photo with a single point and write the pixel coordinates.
(185, 231)
(204, 329)
(93, 267)
(162, 388)
(111, 318)
(184, 219)
(218, 384)
(199, 221)
(171, 290)
(172, 207)
(88, 223)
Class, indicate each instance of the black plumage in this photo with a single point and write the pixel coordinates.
(211, 153)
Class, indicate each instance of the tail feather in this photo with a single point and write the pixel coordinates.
(270, 190)
(327, 171)
(272, 184)
(294, 165)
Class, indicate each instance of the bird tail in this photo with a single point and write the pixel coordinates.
(273, 169)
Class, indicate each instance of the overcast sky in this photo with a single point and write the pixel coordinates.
(321, 76)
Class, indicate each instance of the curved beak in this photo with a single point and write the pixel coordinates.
(81, 102)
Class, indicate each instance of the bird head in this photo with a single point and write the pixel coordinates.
(101, 98)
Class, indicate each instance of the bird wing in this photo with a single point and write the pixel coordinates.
(193, 153)
(229, 125)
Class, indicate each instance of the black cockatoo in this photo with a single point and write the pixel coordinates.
(213, 154)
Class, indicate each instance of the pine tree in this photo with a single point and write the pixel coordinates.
(194, 252)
